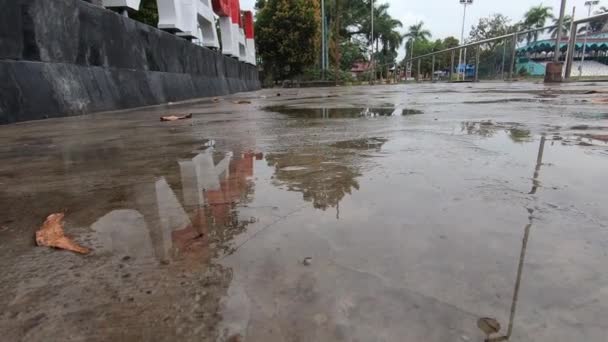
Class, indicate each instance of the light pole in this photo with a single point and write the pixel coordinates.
(323, 39)
(464, 16)
(589, 5)
(560, 26)
(373, 75)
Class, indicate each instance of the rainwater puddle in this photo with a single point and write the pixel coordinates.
(461, 229)
(340, 113)
(294, 168)
(361, 144)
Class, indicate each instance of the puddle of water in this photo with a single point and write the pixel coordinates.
(294, 168)
(591, 116)
(361, 144)
(494, 224)
(337, 113)
(527, 100)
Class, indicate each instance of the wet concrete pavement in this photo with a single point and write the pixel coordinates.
(390, 213)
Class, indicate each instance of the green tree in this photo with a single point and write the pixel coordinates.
(565, 26)
(288, 36)
(536, 18)
(259, 4)
(491, 27)
(147, 14)
(414, 34)
(352, 50)
(386, 35)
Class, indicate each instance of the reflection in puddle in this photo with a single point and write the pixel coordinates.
(516, 131)
(163, 226)
(338, 113)
(322, 179)
(361, 144)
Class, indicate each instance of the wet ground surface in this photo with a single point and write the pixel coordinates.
(397, 213)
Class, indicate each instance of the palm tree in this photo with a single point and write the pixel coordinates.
(391, 40)
(565, 26)
(416, 32)
(596, 25)
(535, 18)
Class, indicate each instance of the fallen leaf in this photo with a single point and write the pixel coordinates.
(602, 137)
(307, 261)
(215, 99)
(488, 325)
(242, 102)
(602, 100)
(175, 117)
(51, 235)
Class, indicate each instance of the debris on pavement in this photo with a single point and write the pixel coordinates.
(488, 325)
(242, 102)
(215, 99)
(175, 117)
(51, 235)
(600, 100)
(307, 261)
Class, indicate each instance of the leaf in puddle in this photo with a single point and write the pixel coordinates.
(488, 325)
(51, 235)
(175, 117)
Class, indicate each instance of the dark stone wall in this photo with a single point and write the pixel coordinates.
(69, 57)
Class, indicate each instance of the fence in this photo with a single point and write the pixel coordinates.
(520, 54)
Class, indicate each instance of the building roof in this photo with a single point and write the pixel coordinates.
(596, 41)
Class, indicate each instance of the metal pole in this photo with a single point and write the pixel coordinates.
(418, 73)
(513, 56)
(560, 26)
(580, 69)
(433, 70)
(323, 39)
(326, 43)
(571, 47)
(373, 77)
(504, 55)
(452, 65)
(477, 63)
(464, 15)
(412, 56)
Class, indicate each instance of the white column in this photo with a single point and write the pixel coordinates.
(206, 22)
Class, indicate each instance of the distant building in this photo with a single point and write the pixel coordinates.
(359, 68)
(533, 57)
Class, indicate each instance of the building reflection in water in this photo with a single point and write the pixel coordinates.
(161, 226)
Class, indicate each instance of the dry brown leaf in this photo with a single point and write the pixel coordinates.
(51, 235)
(488, 325)
(175, 117)
(601, 100)
(602, 137)
(242, 102)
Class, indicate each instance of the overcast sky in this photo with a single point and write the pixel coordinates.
(444, 17)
